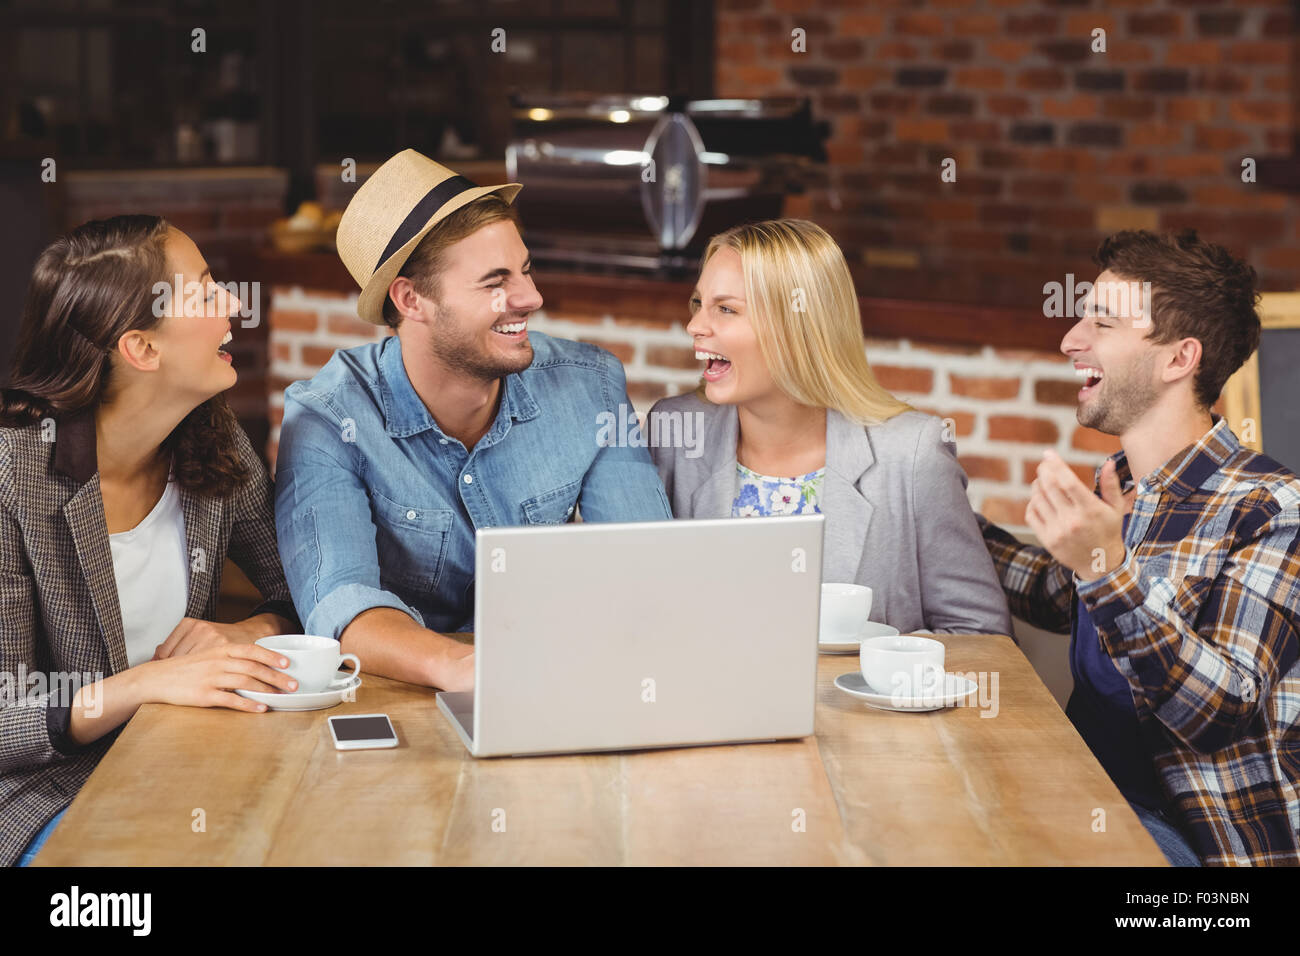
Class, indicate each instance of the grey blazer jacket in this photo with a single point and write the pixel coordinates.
(897, 516)
(59, 608)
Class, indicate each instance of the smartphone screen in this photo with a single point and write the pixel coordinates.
(362, 728)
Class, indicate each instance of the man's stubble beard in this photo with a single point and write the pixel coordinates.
(458, 350)
(1127, 397)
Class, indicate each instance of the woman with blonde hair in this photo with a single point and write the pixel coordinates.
(794, 422)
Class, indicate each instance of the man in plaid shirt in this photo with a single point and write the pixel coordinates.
(1180, 587)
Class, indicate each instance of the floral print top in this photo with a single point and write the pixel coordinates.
(763, 495)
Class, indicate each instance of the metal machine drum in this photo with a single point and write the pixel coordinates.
(640, 183)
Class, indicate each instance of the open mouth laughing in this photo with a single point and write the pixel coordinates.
(718, 365)
(512, 330)
(1091, 376)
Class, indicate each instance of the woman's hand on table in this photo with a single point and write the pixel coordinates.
(192, 634)
(209, 676)
(203, 665)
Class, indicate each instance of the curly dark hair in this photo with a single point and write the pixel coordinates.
(1198, 291)
(88, 289)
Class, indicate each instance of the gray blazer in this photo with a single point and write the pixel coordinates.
(60, 605)
(897, 516)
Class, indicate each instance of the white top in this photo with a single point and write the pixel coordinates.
(151, 567)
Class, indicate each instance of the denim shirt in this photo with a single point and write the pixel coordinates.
(377, 507)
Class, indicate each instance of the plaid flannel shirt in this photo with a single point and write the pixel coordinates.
(1202, 619)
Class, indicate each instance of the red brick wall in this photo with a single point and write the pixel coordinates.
(206, 204)
(1055, 145)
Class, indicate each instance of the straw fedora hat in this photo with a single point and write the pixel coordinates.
(391, 212)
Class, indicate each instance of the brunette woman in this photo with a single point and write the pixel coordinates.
(125, 482)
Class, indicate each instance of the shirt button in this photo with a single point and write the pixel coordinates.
(410, 516)
(469, 479)
(442, 441)
(569, 512)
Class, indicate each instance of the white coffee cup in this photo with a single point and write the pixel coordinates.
(845, 609)
(903, 665)
(313, 661)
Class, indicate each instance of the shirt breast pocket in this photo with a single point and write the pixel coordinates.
(412, 543)
(553, 507)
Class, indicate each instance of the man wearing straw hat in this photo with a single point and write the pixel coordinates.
(396, 451)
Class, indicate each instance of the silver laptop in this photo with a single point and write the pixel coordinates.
(655, 634)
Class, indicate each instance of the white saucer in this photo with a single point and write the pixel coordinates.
(955, 690)
(317, 701)
(870, 629)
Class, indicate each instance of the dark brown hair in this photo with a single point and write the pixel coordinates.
(1198, 291)
(424, 267)
(88, 289)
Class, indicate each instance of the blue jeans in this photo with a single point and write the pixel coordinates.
(1168, 837)
(38, 841)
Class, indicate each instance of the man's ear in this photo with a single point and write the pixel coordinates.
(406, 299)
(1184, 361)
(137, 351)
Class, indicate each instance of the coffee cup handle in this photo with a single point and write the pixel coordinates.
(356, 665)
(935, 679)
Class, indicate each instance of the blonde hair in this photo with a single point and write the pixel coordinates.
(804, 311)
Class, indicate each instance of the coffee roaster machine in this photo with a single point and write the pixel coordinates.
(637, 184)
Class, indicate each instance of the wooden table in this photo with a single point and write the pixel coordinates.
(951, 787)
